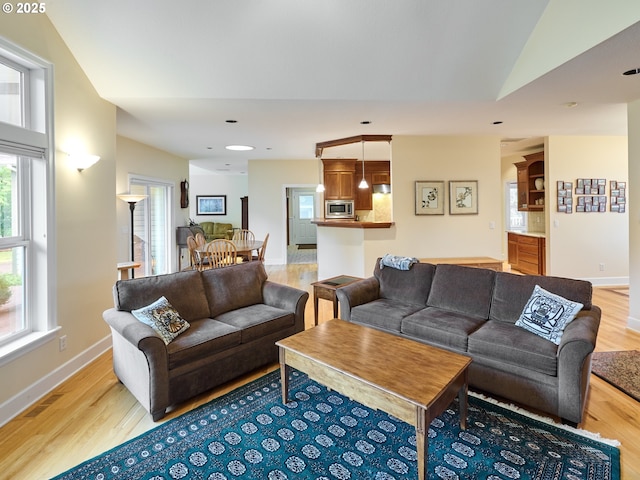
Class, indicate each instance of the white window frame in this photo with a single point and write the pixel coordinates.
(36, 141)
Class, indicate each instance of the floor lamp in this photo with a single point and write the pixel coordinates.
(132, 199)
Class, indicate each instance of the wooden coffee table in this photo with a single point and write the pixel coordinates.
(404, 378)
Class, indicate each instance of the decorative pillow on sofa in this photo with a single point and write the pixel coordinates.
(547, 314)
(163, 318)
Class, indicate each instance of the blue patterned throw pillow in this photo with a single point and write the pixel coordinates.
(163, 318)
(547, 314)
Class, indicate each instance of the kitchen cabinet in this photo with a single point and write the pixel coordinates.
(376, 172)
(339, 178)
(527, 253)
(530, 174)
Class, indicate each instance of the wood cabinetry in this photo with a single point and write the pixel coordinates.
(527, 254)
(339, 179)
(376, 172)
(530, 197)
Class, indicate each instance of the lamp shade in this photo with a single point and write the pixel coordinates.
(131, 198)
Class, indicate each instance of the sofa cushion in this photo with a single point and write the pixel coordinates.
(547, 315)
(513, 345)
(460, 289)
(383, 313)
(408, 286)
(184, 290)
(205, 337)
(442, 327)
(257, 321)
(233, 287)
(511, 293)
(163, 318)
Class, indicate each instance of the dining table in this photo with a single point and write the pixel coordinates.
(243, 247)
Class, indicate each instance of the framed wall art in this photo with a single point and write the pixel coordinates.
(211, 204)
(463, 197)
(429, 197)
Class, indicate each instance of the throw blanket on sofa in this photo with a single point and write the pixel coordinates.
(395, 261)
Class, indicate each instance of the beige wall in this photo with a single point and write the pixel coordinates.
(634, 215)
(85, 234)
(145, 161)
(578, 243)
(268, 180)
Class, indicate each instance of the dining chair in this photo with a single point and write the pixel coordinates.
(194, 257)
(244, 235)
(221, 253)
(260, 255)
(201, 240)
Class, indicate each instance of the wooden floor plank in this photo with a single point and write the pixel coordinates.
(95, 413)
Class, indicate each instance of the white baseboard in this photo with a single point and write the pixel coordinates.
(633, 324)
(23, 400)
(609, 281)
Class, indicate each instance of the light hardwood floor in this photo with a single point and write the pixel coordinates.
(92, 412)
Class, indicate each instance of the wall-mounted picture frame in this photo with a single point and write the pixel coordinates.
(211, 204)
(430, 197)
(463, 197)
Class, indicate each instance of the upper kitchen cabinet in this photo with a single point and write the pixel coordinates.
(339, 179)
(531, 182)
(377, 172)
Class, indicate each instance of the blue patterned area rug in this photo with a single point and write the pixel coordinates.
(322, 435)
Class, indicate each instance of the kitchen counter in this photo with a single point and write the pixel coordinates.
(349, 223)
(529, 234)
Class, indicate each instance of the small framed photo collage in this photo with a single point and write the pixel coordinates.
(591, 196)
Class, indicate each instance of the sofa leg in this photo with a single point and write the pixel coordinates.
(156, 416)
(569, 423)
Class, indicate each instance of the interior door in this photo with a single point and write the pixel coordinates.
(303, 231)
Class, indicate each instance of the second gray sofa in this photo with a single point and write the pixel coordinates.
(473, 311)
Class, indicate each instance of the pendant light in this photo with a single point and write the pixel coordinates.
(363, 183)
(320, 187)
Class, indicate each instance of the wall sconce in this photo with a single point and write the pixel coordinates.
(82, 161)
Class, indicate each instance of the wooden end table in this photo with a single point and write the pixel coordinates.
(410, 380)
(326, 289)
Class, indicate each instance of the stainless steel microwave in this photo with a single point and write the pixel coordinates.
(339, 209)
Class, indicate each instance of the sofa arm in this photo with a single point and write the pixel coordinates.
(140, 360)
(286, 298)
(357, 293)
(574, 363)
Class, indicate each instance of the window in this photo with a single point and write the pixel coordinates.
(152, 226)
(516, 220)
(27, 309)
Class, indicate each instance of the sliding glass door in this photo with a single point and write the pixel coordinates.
(152, 226)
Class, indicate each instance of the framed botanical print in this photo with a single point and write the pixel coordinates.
(429, 197)
(463, 197)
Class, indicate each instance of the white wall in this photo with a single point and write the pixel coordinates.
(85, 236)
(578, 243)
(146, 161)
(233, 186)
(634, 215)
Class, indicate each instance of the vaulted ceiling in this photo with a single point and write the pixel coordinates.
(292, 73)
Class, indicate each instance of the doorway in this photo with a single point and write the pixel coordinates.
(302, 234)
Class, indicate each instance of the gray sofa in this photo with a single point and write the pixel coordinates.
(235, 314)
(473, 311)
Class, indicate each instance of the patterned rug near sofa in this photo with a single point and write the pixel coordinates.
(620, 369)
(250, 434)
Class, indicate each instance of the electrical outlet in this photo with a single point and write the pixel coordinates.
(63, 343)
(601, 266)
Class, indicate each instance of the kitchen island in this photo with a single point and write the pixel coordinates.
(350, 247)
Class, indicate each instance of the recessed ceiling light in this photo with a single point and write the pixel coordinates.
(209, 148)
(239, 148)
(571, 104)
(231, 121)
(365, 122)
(499, 122)
(633, 71)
